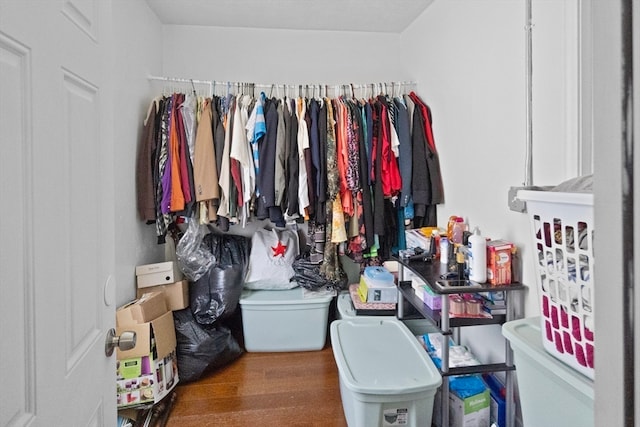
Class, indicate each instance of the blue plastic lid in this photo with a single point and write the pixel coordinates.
(293, 296)
(378, 273)
(382, 358)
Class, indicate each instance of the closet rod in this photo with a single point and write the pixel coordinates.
(344, 87)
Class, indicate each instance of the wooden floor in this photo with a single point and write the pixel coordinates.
(264, 389)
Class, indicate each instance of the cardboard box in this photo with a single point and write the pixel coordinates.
(176, 294)
(143, 310)
(377, 292)
(472, 411)
(499, 262)
(145, 380)
(162, 273)
(158, 335)
(149, 371)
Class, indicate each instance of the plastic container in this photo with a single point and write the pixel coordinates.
(434, 245)
(477, 257)
(386, 377)
(283, 320)
(346, 311)
(444, 250)
(378, 276)
(551, 392)
(564, 268)
(457, 230)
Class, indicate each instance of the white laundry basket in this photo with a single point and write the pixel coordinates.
(562, 231)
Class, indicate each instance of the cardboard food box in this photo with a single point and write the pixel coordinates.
(176, 294)
(499, 262)
(149, 371)
(162, 273)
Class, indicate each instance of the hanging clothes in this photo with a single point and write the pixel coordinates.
(428, 190)
(145, 189)
(353, 168)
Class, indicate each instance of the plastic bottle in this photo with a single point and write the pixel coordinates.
(477, 257)
(457, 230)
(460, 263)
(452, 220)
(434, 248)
(444, 250)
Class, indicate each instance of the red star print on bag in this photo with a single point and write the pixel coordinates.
(279, 249)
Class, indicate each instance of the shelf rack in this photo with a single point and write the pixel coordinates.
(411, 307)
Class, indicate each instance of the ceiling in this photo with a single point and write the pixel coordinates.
(388, 16)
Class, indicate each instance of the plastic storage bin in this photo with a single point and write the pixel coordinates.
(551, 392)
(386, 377)
(562, 231)
(284, 320)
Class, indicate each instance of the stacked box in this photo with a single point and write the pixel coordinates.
(149, 371)
(176, 294)
(161, 273)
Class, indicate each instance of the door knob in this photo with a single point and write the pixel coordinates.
(126, 341)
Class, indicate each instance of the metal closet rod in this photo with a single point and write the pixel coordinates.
(343, 87)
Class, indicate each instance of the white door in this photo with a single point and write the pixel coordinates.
(57, 290)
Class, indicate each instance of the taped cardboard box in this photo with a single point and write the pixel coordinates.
(161, 273)
(149, 371)
(176, 294)
(145, 309)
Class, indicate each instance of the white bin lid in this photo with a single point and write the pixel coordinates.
(381, 358)
(525, 336)
(293, 296)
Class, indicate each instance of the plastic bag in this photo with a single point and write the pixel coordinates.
(270, 262)
(216, 294)
(308, 276)
(194, 258)
(202, 348)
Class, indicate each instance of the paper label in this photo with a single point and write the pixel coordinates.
(395, 417)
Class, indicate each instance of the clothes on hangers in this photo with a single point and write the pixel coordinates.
(346, 165)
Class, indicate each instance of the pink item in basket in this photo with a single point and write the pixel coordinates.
(580, 356)
(575, 328)
(564, 318)
(568, 346)
(558, 341)
(590, 355)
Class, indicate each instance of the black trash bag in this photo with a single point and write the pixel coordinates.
(202, 348)
(308, 275)
(216, 294)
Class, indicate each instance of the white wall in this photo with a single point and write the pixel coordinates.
(469, 59)
(281, 56)
(138, 41)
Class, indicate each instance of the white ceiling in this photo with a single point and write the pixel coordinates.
(389, 16)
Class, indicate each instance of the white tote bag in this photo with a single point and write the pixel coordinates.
(271, 259)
